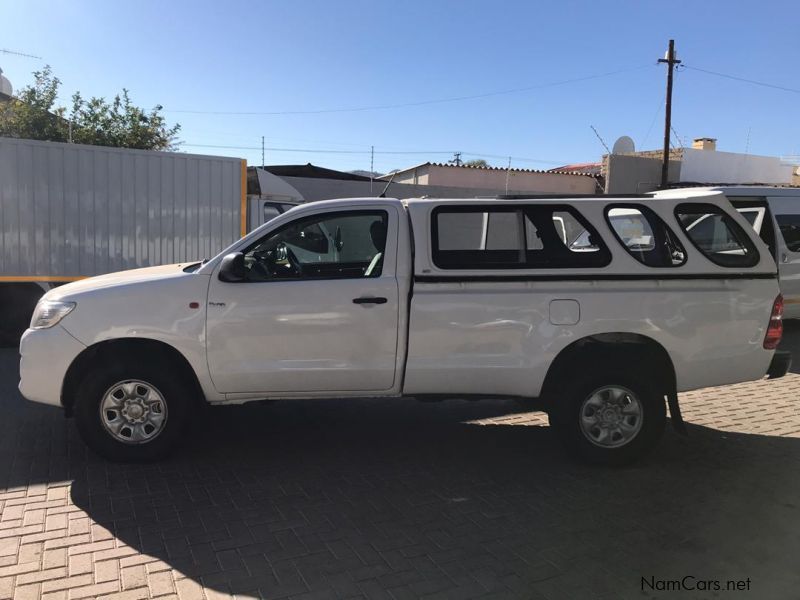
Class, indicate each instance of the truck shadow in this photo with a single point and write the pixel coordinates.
(279, 500)
(791, 342)
(351, 497)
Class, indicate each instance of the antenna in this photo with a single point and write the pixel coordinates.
(391, 179)
(601, 139)
(7, 51)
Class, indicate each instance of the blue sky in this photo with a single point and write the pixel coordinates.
(312, 56)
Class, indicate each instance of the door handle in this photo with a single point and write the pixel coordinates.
(370, 300)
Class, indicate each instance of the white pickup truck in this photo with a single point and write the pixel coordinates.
(601, 309)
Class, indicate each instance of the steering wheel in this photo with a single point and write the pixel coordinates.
(291, 258)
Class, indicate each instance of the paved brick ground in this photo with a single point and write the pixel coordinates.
(397, 499)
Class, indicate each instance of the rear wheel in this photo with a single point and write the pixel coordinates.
(132, 412)
(610, 418)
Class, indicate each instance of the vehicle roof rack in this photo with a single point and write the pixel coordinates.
(557, 196)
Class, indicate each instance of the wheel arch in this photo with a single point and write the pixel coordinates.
(609, 349)
(122, 348)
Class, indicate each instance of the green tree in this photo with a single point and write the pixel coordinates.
(95, 121)
(32, 114)
(478, 162)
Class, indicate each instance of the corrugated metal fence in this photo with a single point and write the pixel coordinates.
(69, 210)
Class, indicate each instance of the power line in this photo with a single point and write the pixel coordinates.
(407, 104)
(661, 103)
(745, 80)
(681, 139)
(7, 51)
(317, 151)
(516, 158)
(370, 151)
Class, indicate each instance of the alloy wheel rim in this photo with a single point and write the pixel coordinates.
(611, 416)
(133, 411)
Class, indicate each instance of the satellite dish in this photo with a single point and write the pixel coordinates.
(623, 145)
(5, 85)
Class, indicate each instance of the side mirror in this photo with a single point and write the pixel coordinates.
(231, 269)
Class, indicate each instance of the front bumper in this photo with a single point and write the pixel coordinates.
(781, 361)
(45, 356)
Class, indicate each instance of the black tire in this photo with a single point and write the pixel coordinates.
(174, 392)
(565, 417)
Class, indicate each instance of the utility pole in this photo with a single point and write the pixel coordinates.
(670, 61)
(371, 167)
(456, 159)
(508, 172)
(262, 151)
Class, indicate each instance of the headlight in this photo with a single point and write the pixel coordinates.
(50, 312)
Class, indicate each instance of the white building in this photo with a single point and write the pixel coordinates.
(512, 181)
(705, 164)
(640, 172)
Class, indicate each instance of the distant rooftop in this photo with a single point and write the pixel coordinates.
(312, 171)
(479, 168)
(307, 170)
(578, 168)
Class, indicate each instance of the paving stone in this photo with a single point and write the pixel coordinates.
(397, 499)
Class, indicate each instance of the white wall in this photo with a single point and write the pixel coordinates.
(519, 182)
(627, 174)
(710, 166)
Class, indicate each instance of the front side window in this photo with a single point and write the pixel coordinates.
(645, 236)
(514, 237)
(327, 246)
(790, 230)
(717, 235)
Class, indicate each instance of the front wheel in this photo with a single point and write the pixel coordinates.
(133, 412)
(611, 418)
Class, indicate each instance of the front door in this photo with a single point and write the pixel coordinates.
(318, 311)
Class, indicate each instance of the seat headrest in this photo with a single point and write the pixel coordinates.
(377, 232)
